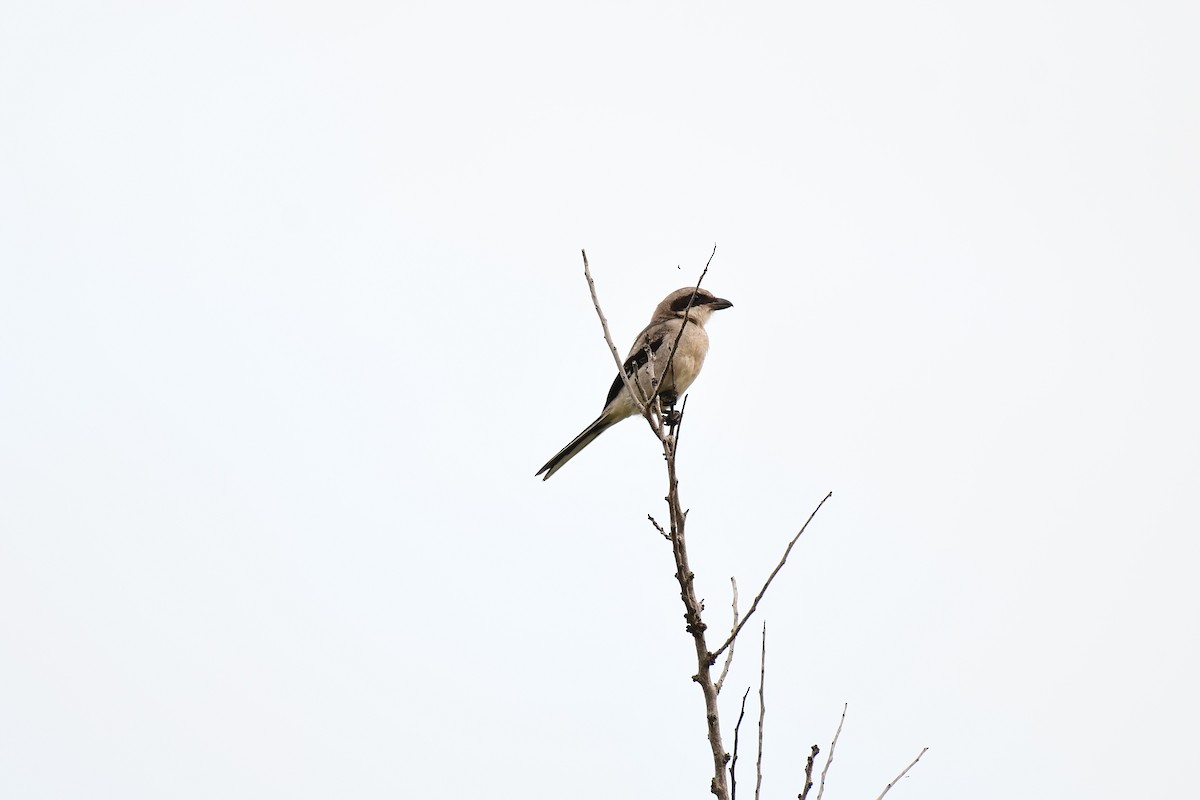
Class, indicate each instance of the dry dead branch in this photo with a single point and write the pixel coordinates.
(762, 710)
(903, 772)
(737, 729)
(729, 655)
(771, 577)
(832, 747)
(808, 768)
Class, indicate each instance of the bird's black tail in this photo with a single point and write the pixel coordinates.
(581, 441)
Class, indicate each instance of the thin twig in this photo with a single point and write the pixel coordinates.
(658, 527)
(903, 773)
(762, 710)
(808, 768)
(770, 578)
(642, 406)
(679, 421)
(650, 398)
(832, 747)
(729, 655)
(733, 764)
(671, 356)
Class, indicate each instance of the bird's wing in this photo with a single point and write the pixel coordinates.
(638, 358)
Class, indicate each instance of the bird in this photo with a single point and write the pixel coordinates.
(680, 317)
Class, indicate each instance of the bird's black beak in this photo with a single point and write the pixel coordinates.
(719, 304)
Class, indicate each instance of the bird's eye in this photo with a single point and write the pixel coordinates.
(681, 304)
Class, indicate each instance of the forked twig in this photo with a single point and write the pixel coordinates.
(902, 773)
(770, 578)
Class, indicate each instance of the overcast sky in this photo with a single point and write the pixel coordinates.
(292, 309)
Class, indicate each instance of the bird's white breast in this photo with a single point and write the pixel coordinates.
(688, 360)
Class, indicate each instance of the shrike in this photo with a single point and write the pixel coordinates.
(648, 360)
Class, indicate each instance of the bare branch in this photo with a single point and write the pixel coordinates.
(902, 773)
(650, 399)
(729, 655)
(686, 319)
(832, 747)
(733, 764)
(762, 710)
(770, 578)
(667, 427)
(679, 421)
(658, 527)
(808, 768)
(695, 625)
(652, 410)
(693, 607)
(612, 348)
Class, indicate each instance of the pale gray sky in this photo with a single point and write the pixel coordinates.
(291, 310)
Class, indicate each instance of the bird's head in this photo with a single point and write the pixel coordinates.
(681, 303)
